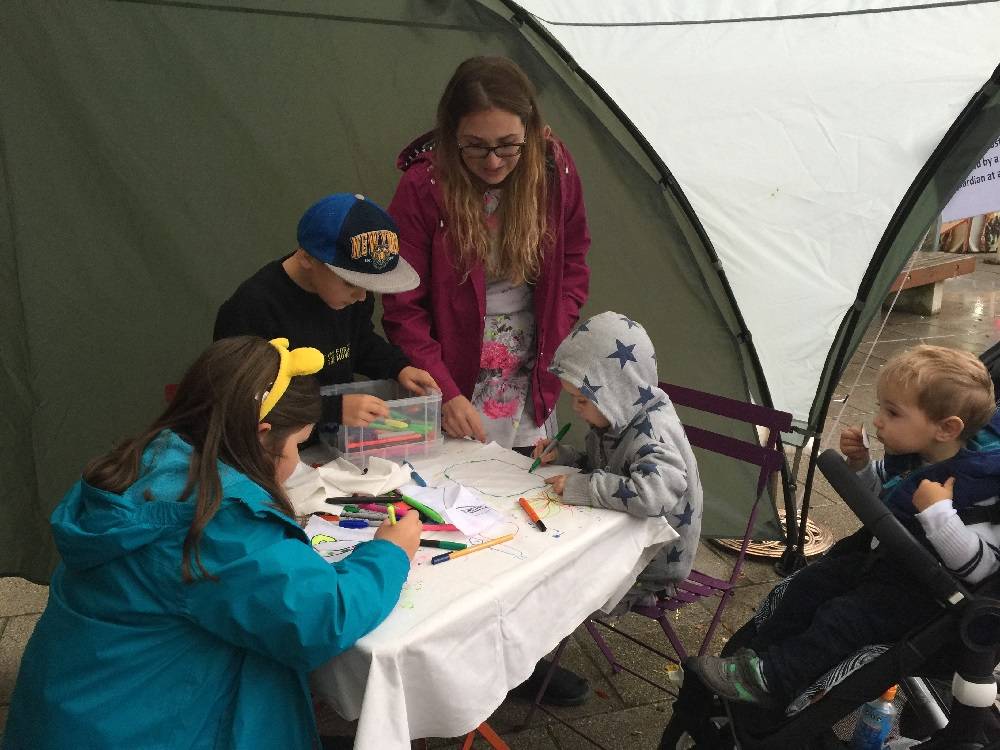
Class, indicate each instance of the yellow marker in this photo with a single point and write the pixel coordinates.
(392, 513)
(397, 423)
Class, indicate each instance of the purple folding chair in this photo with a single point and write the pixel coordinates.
(768, 457)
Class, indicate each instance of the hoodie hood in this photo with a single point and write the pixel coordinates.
(421, 149)
(92, 526)
(610, 358)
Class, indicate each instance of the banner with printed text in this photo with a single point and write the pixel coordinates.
(979, 193)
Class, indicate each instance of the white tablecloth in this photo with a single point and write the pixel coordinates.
(468, 630)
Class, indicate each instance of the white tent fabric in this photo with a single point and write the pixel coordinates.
(794, 129)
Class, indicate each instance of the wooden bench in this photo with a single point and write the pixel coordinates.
(922, 278)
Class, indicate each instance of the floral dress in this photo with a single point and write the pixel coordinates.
(502, 394)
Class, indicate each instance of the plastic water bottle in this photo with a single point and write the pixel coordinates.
(875, 723)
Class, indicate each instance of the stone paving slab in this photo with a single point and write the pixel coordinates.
(636, 728)
(21, 597)
(14, 638)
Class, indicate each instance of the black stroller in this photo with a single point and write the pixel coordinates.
(963, 641)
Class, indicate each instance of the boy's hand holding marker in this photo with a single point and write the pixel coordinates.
(854, 446)
(547, 450)
(360, 409)
(405, 533)
(542, 453)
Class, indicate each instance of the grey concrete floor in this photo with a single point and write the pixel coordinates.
(625, 711)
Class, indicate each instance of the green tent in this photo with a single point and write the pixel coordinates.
(154, 153)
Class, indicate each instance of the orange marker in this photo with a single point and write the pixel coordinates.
(531, 514)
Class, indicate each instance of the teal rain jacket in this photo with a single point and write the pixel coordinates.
(127, 655)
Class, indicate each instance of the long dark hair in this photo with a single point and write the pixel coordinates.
(216, 409)
(479, 84)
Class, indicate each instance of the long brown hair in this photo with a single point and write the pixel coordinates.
(479, 84)
(216, 410)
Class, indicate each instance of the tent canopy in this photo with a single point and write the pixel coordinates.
(746, 179)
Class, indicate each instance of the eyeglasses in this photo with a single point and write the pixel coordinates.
(503, 151)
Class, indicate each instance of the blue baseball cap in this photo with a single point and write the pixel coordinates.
(358, 241)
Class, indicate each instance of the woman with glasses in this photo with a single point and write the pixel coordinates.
(490, 212)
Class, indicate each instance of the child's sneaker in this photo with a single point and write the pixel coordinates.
(734, 678)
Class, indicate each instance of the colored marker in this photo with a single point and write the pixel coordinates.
(392, 514)
(383, 508)
(469, 550)
(401, 439)
(414, 476)
(421, 508)
(353, 523)
(359, 501)
(442, 545)
(368, 515)
(554, 445)
(388, 424)
(531, 513)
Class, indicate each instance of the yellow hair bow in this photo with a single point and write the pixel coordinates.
(302, 361)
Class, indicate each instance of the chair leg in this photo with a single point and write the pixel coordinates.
(602, 645)
(492, 738)
(716, 619)
(671, 634)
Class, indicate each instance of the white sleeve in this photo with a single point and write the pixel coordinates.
(970, 552)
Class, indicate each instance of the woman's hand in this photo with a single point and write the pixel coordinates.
(459, 418)
(416, 380)
(928, 493)
(360, 409)
(405, 534)
(540, 445)
(852, 445)
(558, 483)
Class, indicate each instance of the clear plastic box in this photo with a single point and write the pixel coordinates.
(413, 428)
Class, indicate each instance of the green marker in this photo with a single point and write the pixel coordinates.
(554, 445)
(421, 508)
(441, 545)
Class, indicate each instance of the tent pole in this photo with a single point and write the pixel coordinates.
(794, 556)
(790, 488)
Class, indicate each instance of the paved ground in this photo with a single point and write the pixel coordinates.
(625, 712)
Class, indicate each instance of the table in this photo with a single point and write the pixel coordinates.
(467, 631)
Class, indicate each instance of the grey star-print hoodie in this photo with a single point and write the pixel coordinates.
(642, 462)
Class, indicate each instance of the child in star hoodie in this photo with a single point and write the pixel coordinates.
(638, 459)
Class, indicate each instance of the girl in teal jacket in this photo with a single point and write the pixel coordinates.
(189, 607)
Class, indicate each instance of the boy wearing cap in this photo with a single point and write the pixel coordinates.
(318, 296)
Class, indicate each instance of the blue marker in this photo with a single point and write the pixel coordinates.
(414, 476)
(353, 523)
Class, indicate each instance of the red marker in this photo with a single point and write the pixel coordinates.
(531, 514)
